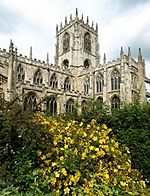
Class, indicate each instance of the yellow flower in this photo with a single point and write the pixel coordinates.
(106, 176)
(83, 155)
(91, 147)
(65, 146)
(55, 142)
(103, 126)
(100, 153)
(102, 141)
(66, 190)
(61, 158)
(115, 170)
(81, 124)
(54, 164)
(64, 172)
(43, 157)
(142, 182)
(105, 147)
(56, 174)
(95, 138)
(39, 152)
(47, 161)
(123, 183)
(53, 180)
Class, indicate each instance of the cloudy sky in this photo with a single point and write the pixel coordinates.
(33, 23)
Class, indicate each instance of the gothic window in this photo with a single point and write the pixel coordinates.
(86, 63)
(87, 42)
(54, 82)
(52, 106)
(67, 84)
(65, 63)
(66, 42)
(115, 102)
(20, 74)
(38, 79)
(86, 86)
(84, 105)
(99, 83)
(115, 80)
(134, 80)
(30, 101)
(70, 106)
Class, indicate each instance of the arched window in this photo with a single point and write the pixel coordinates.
(20, 74)
(86, 86)
(134, 79)
(99, 83)
(70, 106)
(87, 42)
(66, 42)
(86, 63)
(100, 99)
(54, 82)
(30, 101)
(65, 63)
(84, 105)
(38, 79)
(67, 84)
(52, 106)
(115, 102)
(115, 80)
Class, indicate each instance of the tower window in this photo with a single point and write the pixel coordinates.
(87, 42)
(38, 79)
(65, 63)
(115, 80)
(54, 82)
(66, 42)
(86, 63)
(20, 74)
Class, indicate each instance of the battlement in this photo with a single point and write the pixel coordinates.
(72, 20)
(3, 52)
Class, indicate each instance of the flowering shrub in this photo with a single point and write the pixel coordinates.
(83, 159)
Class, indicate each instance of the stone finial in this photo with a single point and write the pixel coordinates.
(92, 24)
(87, 21)
(121, 51)
(61, 25)
(30, 53)
(65, 20)
(82, 17)
(129, 52)
(11, 46)
(56, 28)
(70, 16)
(104, 59)
(96, 27)
(76, 12)
(47, 60)
(140, 55)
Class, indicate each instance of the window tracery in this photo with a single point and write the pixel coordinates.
(86, 86)
(70, 106)
(99, 83)
(38, 79)
(67, 84)
(20, 74)
(52, 106)
(66, 42)
(30, 101)
(54, 82)
(87, 42)
(115, 102)
(115, 80)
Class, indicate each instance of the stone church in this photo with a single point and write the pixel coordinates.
(78, 74)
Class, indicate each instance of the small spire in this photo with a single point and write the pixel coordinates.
(129, 51)
(76, 12)
(31, 53)
(11, 46)
(87, 21)
(92, 24)
(61, 25)
(56, 28)
(47, 58)
(140, 55)
(70, 16)
(104, 59)
(66, 20)
(121, 51)
(96, 27)
(82, 17)
(16, 51)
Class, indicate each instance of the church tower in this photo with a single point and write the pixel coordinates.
(77, 44)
